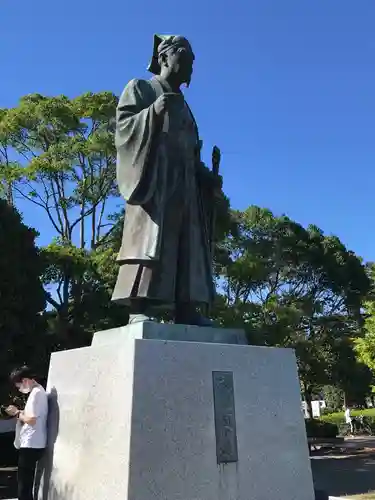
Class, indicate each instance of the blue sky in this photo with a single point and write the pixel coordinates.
(286, 89)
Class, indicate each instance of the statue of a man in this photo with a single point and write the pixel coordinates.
(165, 259)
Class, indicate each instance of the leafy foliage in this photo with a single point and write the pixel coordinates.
(286, 285)
(321, 429)
(292, 287)
(64, 164)
(22, 297)
(334, 398)
(365, 345)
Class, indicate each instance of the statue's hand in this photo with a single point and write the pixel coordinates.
(218, 182)
(218, 186)
(212, 182)
(165, 101)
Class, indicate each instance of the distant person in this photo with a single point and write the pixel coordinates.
(348, 418)
(31, 432)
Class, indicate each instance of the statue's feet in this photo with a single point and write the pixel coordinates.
(201, 320)
(138, 318)
(188, 315)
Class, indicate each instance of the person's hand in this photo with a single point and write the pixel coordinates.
(163, 103)
(12, 410)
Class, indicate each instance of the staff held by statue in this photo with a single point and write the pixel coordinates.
(216, 158)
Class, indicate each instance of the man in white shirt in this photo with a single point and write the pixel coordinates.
(348, 418)
(32, 425)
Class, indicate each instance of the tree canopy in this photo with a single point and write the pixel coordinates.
(63, 164)
(365, 345)
(286, 285)
(292, 287)
(22, 299)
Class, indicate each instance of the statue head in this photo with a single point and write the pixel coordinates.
(172, 55)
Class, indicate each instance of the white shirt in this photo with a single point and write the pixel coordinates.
(348, 418)
(35, 436)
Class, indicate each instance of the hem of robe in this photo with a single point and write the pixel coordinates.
(145, 259)
(137, 281)
(154, 304)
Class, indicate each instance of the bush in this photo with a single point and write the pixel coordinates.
(333, 418)
(339, 419)
(319, 429)
(327, 411)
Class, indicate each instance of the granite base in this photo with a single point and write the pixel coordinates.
(132, 418)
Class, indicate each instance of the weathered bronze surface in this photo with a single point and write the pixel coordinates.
(225, 417)
(165, 257)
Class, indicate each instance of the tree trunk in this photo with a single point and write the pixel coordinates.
(82, 228)
(10, 193)
(308, 400)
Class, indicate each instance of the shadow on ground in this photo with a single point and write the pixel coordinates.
(341, 475)
(8, 483)
(340, 472)
(8, 467)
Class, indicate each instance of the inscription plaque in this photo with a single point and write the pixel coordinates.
(225, 417)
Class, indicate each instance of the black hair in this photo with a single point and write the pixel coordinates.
(19, 374)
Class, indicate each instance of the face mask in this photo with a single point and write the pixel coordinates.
(24, 390)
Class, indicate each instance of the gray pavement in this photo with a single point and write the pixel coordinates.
(347, 470)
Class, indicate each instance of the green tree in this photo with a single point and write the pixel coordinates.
(22, 298)
(348, 374)
(293, 287)
(6, 188)
(334, 398)
(365, 345)
(64, 164)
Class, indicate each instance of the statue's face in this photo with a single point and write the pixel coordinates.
(181, 61)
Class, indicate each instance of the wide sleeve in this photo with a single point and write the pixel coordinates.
(137, 128)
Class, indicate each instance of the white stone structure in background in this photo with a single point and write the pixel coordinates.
(317, 407)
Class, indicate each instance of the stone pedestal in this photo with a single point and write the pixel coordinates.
(139, 416)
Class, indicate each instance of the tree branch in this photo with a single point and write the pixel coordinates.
(104, 239)
(57, 208)
(52, 301)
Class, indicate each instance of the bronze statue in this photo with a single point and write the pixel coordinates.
(165, 257)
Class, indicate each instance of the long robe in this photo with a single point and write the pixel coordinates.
(165, 254)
